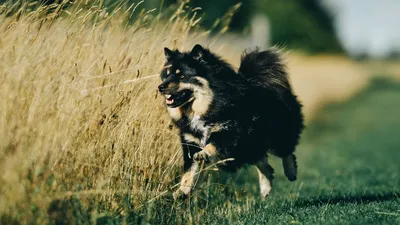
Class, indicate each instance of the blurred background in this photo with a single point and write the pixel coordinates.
(358, 28)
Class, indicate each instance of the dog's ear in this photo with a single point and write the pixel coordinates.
(197, 52)
(168, 53)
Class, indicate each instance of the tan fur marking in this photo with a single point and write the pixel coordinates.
(178, 71)
(188, 179)
(265, 184)
(216, 128)
(190, 138)
(211, 150)
(167, 66)
(203, 98)
(187, 86)
(209, 153)
(175, 113)
(265, 177)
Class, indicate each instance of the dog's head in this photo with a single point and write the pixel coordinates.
(183, 79)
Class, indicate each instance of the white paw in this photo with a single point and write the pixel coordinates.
(182, 192)
(265, 189)
(185, 189)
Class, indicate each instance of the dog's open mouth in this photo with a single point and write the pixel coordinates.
(169, 99)
(177, 99)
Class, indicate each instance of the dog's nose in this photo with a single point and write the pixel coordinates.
(162, 87)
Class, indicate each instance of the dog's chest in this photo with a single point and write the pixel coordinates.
(199, 126)
(192, 125)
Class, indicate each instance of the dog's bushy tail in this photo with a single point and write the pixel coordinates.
(264, 68)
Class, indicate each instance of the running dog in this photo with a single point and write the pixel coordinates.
(230, 118)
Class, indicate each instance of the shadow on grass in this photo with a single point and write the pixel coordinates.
(351, 199)
(68, 211)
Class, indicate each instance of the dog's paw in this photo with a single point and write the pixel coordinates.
(201, 156)
(265, 191)
(179, 195)
(182, 193)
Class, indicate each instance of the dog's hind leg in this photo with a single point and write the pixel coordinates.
(290, 167)
(265, 175)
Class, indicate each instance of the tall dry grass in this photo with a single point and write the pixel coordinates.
(79, 111)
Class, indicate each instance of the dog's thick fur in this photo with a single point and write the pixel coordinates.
(224, 114)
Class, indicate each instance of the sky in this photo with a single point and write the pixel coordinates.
(369, 27)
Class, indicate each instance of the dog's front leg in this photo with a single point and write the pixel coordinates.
(191, 175)
(208, 154)
(188, 181)
(219, 139)
(191, 168)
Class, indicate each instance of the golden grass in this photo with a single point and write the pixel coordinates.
(80, 114)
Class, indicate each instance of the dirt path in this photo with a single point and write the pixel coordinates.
(320, 80)
(325, 79)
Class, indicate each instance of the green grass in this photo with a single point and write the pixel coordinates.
(349, 173)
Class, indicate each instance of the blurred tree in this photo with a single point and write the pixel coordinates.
(298, 24)
(214, 10)
(301, 24)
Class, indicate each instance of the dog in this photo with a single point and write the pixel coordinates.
(228, 118)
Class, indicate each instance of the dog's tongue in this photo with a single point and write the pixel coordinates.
(169, 99)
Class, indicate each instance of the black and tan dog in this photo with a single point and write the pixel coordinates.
(223, 114)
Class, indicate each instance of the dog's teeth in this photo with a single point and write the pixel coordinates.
(167, 96)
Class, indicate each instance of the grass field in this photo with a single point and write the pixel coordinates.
(84, 137)
(349, 173)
